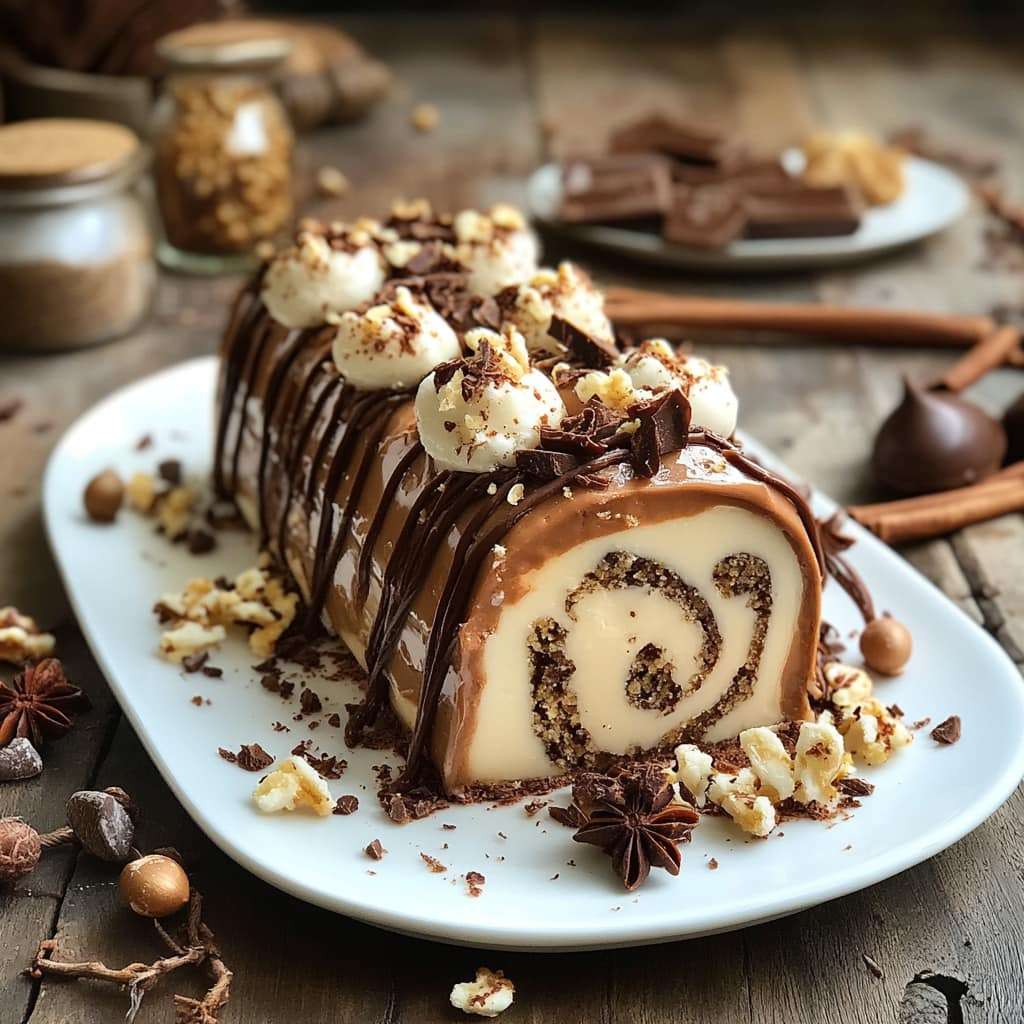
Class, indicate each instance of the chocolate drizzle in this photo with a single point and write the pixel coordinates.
(583, 451)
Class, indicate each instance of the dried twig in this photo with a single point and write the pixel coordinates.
(199, 949)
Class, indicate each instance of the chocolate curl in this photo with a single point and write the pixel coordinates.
(664, 427)
(584, 347)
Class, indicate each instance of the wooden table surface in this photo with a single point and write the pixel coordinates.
(509, 94)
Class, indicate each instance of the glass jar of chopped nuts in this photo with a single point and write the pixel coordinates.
(222, 145)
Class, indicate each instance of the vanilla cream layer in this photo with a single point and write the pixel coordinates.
(609, 627)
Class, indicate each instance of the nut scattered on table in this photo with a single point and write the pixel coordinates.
(101, 824)
(154, 886)
(19, 760)
(425, 117)
(293, 783)
(21, 639)
(488, 995)
(19, 849)
(104, 495)
(855, 158)
(331, 183)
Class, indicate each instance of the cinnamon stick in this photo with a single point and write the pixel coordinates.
(630, 307)
(986, 355)
(933, 515)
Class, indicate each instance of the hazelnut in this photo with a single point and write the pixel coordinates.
(103, 496)
(886, 645)
(425, 117)
(154, 886)
(19, 849)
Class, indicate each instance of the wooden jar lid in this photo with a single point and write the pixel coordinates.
(233, 43)
(62, 151)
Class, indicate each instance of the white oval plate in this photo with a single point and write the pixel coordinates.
(926, 798)
(933, 199)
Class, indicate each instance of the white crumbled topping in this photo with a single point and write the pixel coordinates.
(693, 772)
(738, 796)
(487, 996)
(200, 613)
(477, 425)
(614, 389)
(656, 366)
(189, 638)
(399, 253)
(309, 280)
(393, 345)
(141, 490)
(515, 494)
(497, 248)
(21, 639)
(566, 292)
(291, 784)
(174, 512)
(567, 493)
(820, 760)
(770, 762)
(870, 731)
(492, 489)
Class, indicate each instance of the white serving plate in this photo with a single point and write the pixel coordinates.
(926, 798)
(933, 199)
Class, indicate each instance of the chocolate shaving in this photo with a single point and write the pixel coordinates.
(253, 758)
(347, 804)
(855, 787)
(194, 662)
(170, 470)
(374, 850)
(585, 348)
(947, 732)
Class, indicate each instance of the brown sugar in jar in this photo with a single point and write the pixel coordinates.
(76, 266)
(222, 146)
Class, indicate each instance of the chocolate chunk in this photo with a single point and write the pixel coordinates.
(309, 701)
(947, 732)
(709, 217)
(616, 189)
(374, 850)
(347, 804)
(664, 427)
(802, 213)
(855, 787)
(201, 541)
(170, 470)
(688, 142)
(253, 758)
(586, 348)
(194, 662)
(228, 755)
(212, 671)
(542, 465)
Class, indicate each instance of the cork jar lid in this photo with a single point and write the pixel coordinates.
(63, 151)
(234, 43)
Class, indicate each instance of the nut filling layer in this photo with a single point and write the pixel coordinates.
(651, 682)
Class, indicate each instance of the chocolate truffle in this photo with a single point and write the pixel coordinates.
(935, 441)
(886, 645)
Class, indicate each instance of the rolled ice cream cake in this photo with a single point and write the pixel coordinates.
(541, 545)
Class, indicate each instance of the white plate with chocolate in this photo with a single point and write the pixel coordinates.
(539, 889)
(703, 226)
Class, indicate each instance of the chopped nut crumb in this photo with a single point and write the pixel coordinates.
(490, 994)
(425, 117)
(433, 863)
(331, 183)
(293, 783)
(21, 639)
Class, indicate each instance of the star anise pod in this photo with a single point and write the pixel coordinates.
(632, 818)
(39, 704)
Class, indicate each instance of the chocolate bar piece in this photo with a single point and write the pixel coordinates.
(687, 142)
(751, 177)
(613, 189)
(802, 213)
(708, 217)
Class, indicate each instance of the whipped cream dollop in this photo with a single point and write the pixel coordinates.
(393, 344)
(315, 278)
(654, 367)
(496, 248)
(474, 414)
(566, 292)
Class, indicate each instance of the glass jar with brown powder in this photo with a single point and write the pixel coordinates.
(76, 263)
(222, 145)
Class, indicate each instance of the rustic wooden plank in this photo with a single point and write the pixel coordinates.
(29, 909)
